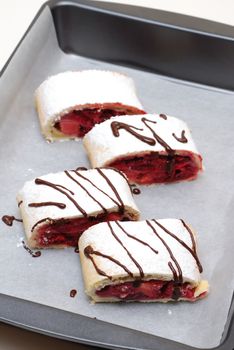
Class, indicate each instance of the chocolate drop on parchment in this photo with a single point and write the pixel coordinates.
(134, 189)
(73, 293)
(30, 251)
(9, 219)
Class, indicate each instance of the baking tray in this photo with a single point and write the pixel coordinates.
(158, 45)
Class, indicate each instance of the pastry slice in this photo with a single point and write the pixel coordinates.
(69, 104)
(152, 260)
(148, 149)
(57, 208)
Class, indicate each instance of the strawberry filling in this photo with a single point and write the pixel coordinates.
(148, 290)
(78, 122)
(156, 168)
(68, 231)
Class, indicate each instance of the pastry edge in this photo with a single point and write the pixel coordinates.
(202, 287)
(31, 235)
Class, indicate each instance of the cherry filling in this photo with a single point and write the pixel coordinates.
(68, 231)
(78, 122)
(148, 290)
(156, 168)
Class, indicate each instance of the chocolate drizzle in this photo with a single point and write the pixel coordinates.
(86, 179)
(62, 189)
(134, 189)
(121, 204)
(9, 219)
(81, 168)
(191, 251)
(173, 263)
(163, 116)
(41, 221)
(58, 188)
(44, 204)
(136, 239)
(182, 138)
(116, 126)
(156, 136)
(88, 251)
(30, 251)
(19, 204)
(194, 251)
(88, 193)
(127, 251)
(178, 277)
(73, 293)
(54, 186)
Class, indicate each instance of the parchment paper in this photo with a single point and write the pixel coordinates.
(207, 203)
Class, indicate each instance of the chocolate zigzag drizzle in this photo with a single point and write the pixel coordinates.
(173, 264)
(120, 203)
(191, 251)
(182, 138)
(178, 277)
(127, 251)
(193, 246)
(88, 193)
(62, 189)
(58, 188)
(116, 126)
(156, 136)
(135, 238)
(88, 251)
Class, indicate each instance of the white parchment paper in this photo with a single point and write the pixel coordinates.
(207, 203)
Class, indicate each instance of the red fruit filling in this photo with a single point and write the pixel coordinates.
(78, 122)
(68, 231)
(156, 168)
(148, 290)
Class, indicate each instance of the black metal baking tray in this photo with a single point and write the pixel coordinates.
(177, 46)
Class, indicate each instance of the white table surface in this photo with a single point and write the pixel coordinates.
(15, 17)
